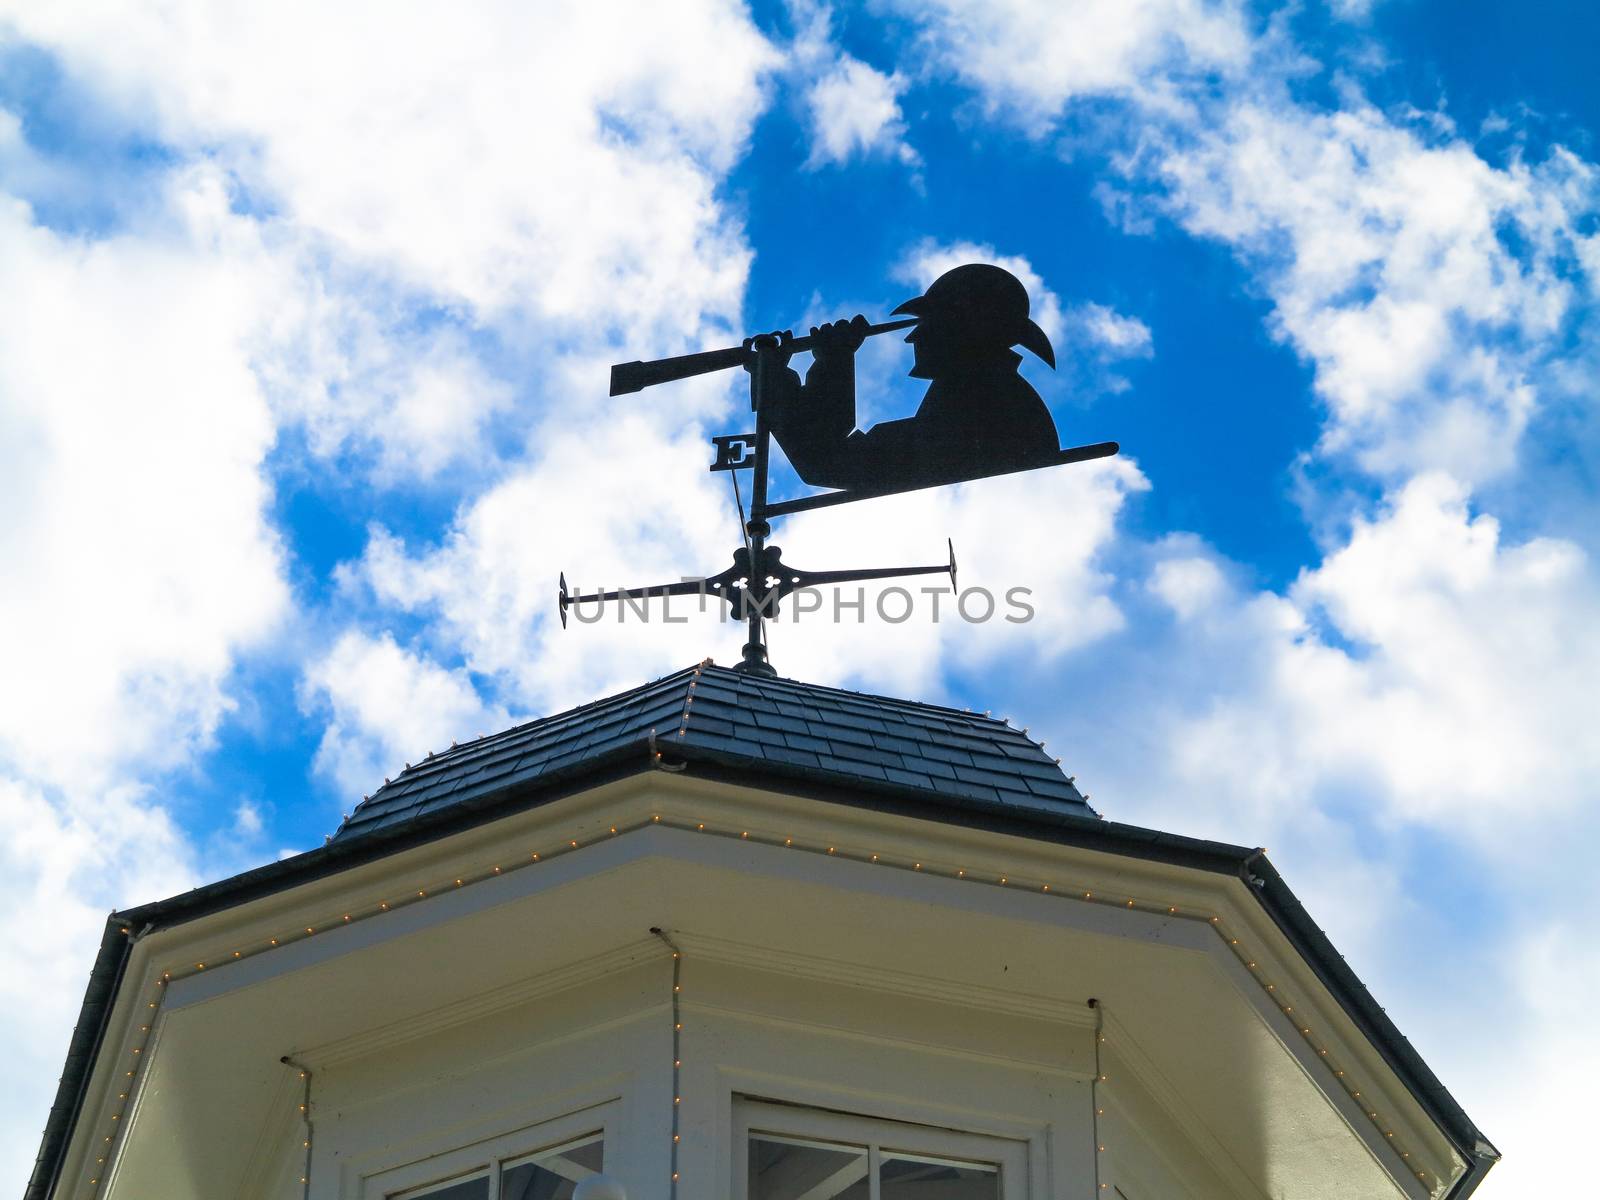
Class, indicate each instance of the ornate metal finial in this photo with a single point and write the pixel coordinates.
(978, 418)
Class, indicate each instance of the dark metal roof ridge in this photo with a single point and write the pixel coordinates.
(1085, 832)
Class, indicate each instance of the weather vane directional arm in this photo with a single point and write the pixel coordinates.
(748, 591)
(978, 418)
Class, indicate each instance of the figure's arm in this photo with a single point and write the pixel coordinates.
(831, 381)
(813, 423)
(778, 387)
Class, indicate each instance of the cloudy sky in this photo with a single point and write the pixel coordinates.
(303, 349)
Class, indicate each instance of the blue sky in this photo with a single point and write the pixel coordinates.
(302, 384)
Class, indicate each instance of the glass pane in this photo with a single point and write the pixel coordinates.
(461, 1189)
(795, 1169)
(909, 1177)
(553, 1174)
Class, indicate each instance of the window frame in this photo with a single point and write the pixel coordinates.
(491, 1156)
(880, 1136)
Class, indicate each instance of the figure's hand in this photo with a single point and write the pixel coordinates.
(777, 341)
(839, 337)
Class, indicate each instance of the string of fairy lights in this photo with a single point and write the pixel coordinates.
(677, 1055)
(531, 859)
(1094, 1094)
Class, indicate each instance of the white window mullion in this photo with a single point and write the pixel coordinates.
(874, 1169)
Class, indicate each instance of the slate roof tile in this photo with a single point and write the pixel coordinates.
(846, 738)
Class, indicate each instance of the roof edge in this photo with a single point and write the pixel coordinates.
(1249, 865)
(100, 996)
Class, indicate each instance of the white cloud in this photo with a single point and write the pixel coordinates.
(1190, 584)
(489, 587)
(853, 109)
(1474, 660)
(556, 160)
(540, 181)
(247, 822)
(1029, 58)
(139, 564)
(389, 706)
(347, 360)
(1353, 10)
(1426, 664)
(1117, 333)
(66, 861)
(1426, 286)
(141, 557)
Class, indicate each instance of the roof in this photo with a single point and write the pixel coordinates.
(820, 733)
(898, 756)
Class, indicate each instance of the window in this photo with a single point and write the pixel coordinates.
(548, 1175)
(807, 1154)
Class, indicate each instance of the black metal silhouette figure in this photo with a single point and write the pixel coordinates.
(979, 416)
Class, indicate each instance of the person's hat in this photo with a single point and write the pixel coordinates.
(988, 302)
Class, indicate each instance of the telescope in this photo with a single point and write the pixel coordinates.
(635, 376)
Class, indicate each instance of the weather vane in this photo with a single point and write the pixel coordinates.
(979, 418)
